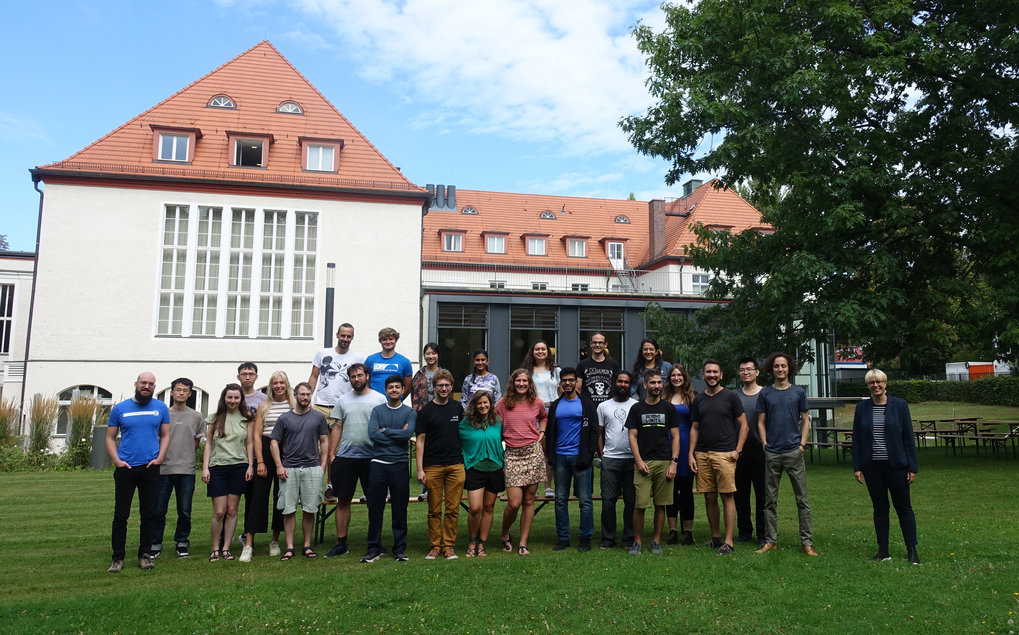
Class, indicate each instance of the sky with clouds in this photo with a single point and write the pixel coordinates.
(519, 96)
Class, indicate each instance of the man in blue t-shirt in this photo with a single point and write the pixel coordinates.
(783, 424)
(388, 362)
(571, 440)
(144, 427)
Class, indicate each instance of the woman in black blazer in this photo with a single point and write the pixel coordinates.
(884, 457)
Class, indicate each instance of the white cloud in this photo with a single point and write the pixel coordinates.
(540, 70)
(17, 128)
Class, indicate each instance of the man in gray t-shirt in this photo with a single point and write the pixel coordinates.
(784, 426)
(750, 466)
(177, 473)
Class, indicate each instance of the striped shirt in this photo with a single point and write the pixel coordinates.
(880, 451)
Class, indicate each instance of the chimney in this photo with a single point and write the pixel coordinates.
(656, 228)
(451, 198)
(690, 186)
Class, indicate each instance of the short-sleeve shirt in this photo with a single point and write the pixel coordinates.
(253, 401)
(229, 449)
(546, 382)
(441, 425)
(185, 426)
(139, 429)
(612, 419)
(333, 382)
(355, 411)
(298, 437)
(782, 421)
(750, 410)
(569, 415)
(597, 377)
(716, 416)
(654, 425)
(380, 368)
(520, 423)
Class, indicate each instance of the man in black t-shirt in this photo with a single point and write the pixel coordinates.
(441, 464)
(596, 373)
(718, 431)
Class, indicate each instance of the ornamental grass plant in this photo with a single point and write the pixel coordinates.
(42, 415)
(83, 413)
(9, 414)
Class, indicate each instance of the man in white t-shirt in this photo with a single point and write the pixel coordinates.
(616, 462)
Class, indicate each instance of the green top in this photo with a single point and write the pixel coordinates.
(482, 447)
(229, 449)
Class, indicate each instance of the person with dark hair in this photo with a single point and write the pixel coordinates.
(177, 472)
(247, 375)
(540, 362)
(649, 357)
(654, 441)
(440, 464)
(616, 462)
(679, 392)
(571, 441)
(597, 371)
(750, 467)
(227, 466)
(784, 426)
(300, 448)
(481, 439)
(480, 379)
(422, 389)
(524, 418)
(388, 362)
(390, 428)
(144, 427)
(718, 431)
(884, 457)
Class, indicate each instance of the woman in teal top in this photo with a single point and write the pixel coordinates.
(227, 465)
(481, 441)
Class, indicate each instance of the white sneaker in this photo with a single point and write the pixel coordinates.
(246, 553)
(549, 492)
(274, 548)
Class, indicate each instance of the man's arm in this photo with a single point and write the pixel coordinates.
(744, 430)
(111, 447)
(673, 466)
(274, 449)
(694, 432)
(805, 430)
(762, 429)
(335, 436)
(164, 444)
(313, 377)
(323, 451)
(419, 456)
(407, 431)
(637, 461)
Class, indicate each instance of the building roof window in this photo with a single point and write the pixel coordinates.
(222, 101)
(469, 210)
(547, 215)
(622, 219)
(290, 108)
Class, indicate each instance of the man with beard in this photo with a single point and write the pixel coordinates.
(329, 377)
(595, 372)
(144, 427)
(616, 462)
(653, 426)
(300, 449)
(718, 430)
(352, 448)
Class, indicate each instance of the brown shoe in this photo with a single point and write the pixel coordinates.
(433, 554)
(768, 546)
(448, 553)
(809, 550)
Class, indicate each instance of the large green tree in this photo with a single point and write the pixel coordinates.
(885, 132)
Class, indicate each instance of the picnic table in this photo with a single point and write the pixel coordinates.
(824, 437)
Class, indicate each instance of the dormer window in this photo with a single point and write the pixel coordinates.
(535, 246)
(176, 145)
(320, 155)
(452, 239)
(470, 211)
(623, 220)
(547, 215)
(222, 101)
(249, 150)
(576, 248)
(289, 108)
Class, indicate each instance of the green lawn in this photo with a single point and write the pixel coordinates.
(941, 410)
(55, 550)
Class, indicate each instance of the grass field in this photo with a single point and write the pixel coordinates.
(55, 551)
(941, 410)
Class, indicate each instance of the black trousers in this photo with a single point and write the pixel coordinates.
(750, 474)
(882, 480)
(126, 481)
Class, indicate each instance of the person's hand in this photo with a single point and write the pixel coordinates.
(421, 477)
(642, 467)
(248, 473)
(281, 472)
(120, 463)
(262, 471)
(205, 475)
(671, 471)
(859, 476)
(734, 456)
(693, 464)
(156, 461)
(910, 477)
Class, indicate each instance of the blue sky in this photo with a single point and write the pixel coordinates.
(515, 96)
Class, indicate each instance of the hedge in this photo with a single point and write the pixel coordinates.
(991, 391)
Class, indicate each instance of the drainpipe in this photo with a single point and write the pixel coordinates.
(31, 304)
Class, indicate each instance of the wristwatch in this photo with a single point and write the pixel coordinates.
(675, 459)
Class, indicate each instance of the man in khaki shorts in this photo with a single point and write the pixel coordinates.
(717, 433)
(653, 426)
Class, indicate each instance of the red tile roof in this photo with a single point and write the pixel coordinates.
(258, 81)
(712, 205)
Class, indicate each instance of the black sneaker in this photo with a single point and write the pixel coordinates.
(371, 556)
(585, 545)
(912, 556)
(154, 554)
(423, 496)
(560, 545)
(881, 556)
(400, 557)
(673, 538)
(338, 549)
(182, 551)
(687, 538)
(714, 543)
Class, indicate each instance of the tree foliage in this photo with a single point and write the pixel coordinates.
(885, 132)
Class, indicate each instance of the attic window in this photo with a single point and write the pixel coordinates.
(222, 101)
(289, 108)
(547, 215)
(623, 220)
(470, 211)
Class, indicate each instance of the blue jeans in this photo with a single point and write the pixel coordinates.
(184, 484)
(567, 474)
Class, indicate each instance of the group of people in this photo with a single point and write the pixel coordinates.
(348, 424)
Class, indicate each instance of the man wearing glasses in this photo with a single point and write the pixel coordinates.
(596, 372)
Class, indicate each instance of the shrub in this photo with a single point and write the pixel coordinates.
(82, 414)
(42, 414)
(9, 414)
(996, 391)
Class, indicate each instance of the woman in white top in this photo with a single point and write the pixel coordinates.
(540, 363)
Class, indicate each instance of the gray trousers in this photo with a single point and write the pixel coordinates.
(792, 463)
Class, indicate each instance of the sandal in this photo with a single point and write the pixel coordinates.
(471, 548)
(309, 552)
(480, 551)
(507, 543)
(287, 555)
(227, 555)
(214, 556)
(523, 550)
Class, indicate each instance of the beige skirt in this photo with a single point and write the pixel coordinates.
(524, 466)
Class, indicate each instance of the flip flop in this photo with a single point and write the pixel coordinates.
(287, 555)
(309, 552)
(523, 550)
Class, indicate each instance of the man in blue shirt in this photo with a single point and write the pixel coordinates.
(571, 440)
(144, 427)
(388, 362)
(783, 424)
